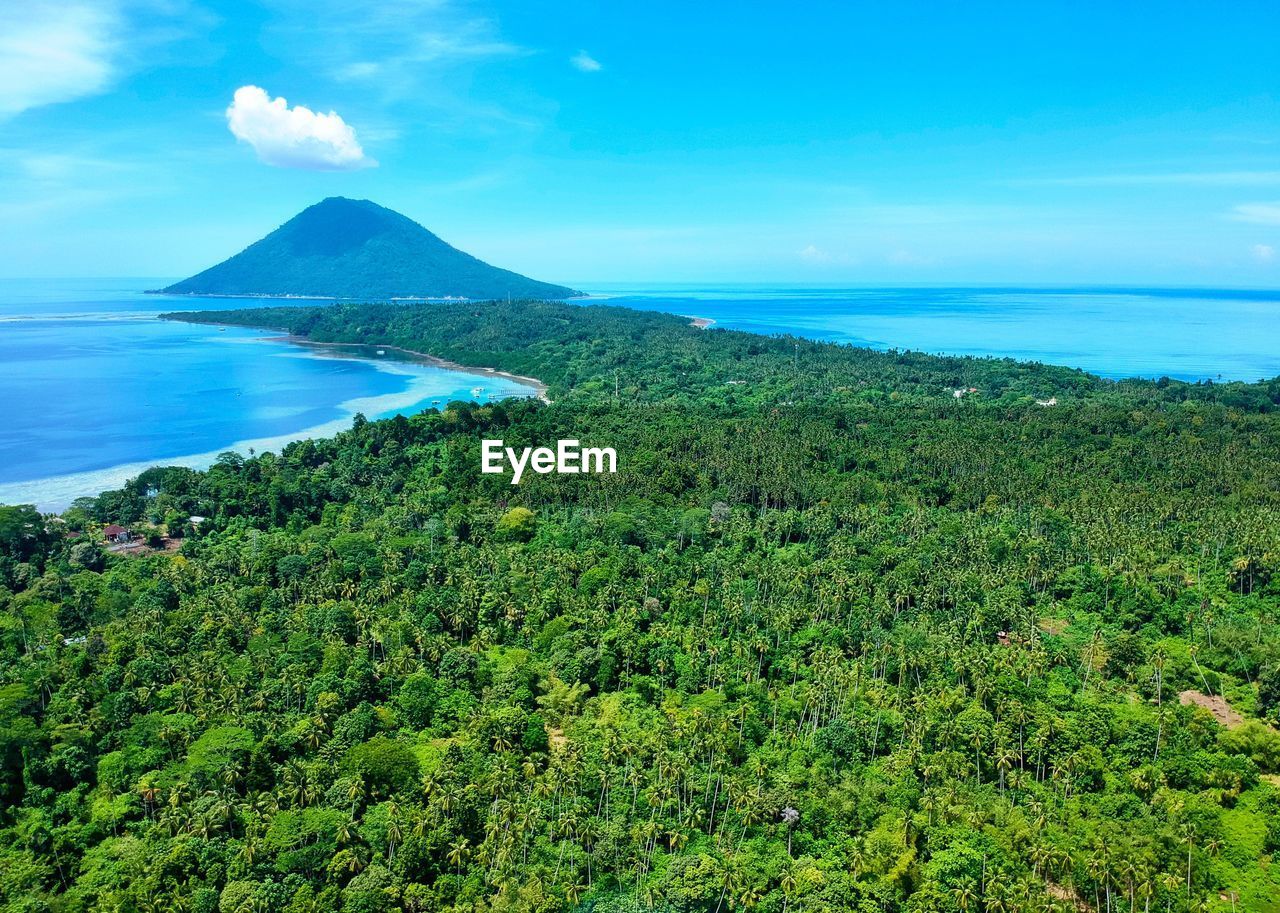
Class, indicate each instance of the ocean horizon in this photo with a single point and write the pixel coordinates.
(99, 389)
(1116, 332)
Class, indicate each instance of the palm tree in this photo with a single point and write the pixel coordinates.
(1004, 761)
(395, 829)
(1170, 883)
(965, 896)
(977, 740)
(459, 850)
(750, 896)
(1189, 838)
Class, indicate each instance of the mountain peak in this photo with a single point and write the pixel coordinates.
(345, 248)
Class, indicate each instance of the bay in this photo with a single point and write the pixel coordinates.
(94, 388)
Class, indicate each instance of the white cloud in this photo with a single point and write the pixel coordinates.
(585, 62)
(363, 69)
(815, 256)
(294, 137)
(408, 56)
(903, 257)
(1261, 213)
(1263, 252)
(393, 42)
(53, 52)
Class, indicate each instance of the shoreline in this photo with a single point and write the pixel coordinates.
(410, 298)
(433, 360)
(701, 322)
(57, 492)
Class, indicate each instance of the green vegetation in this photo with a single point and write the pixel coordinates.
(342, 248)
(831, 639)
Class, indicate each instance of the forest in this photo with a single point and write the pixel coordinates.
(848, 630)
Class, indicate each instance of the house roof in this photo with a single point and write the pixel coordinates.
(113, 530)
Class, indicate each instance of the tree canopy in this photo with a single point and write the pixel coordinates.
(830, 639)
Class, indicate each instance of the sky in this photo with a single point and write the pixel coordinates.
(593, 143)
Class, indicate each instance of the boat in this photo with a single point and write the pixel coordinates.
(382, 351)
(476, 391)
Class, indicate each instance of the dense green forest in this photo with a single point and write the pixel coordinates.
(832, 638)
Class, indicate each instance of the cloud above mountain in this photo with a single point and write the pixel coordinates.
(294, 137)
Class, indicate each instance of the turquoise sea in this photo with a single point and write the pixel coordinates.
(94, 388)
(1185, 334)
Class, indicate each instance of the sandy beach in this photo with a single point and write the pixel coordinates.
(425, 358)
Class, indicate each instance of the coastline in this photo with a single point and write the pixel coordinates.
(270, 297)
(161, 291)
(701, 322)
(426, 358)
(56, 493)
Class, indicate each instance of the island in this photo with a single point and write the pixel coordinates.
(342, 248)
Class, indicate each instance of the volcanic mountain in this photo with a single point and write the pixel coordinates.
(342, 248)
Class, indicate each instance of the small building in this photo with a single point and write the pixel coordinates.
(1051, 401)
(115, 533)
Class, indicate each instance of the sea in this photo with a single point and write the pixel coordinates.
(1183, 334)
(94, 388)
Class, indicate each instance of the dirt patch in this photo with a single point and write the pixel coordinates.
(138, 548)
(1058, 892)
(1223, 712)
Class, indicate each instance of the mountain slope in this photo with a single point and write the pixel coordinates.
(341, 248)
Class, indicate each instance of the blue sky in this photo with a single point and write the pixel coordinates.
(594, 142)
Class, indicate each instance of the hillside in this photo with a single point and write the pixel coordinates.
(341, 248)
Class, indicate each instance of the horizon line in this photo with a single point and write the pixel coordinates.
(659, 285)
